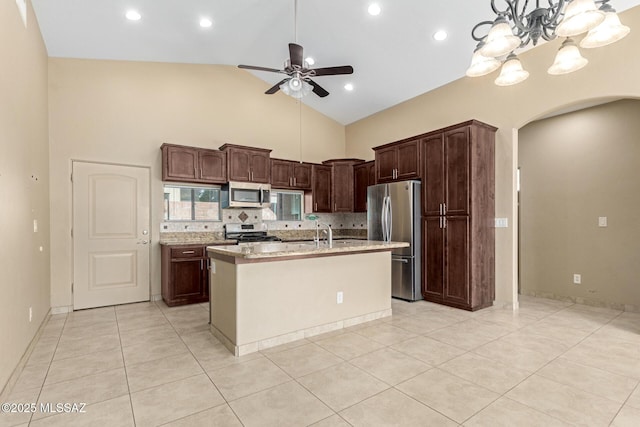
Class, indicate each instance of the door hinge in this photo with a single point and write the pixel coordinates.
(71, 176)
(71, 287)
(72, 232)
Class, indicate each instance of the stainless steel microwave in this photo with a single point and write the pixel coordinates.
(245, 195)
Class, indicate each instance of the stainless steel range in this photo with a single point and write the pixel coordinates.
(248, 233)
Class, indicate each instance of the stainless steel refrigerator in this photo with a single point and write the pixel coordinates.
(393, 215)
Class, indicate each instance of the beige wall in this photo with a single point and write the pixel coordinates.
(612, 72)
(575, 168)
(121, 112)
(24, 152)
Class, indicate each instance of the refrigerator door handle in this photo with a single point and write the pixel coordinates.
(402, 260)
(389, 219)
(383, 221)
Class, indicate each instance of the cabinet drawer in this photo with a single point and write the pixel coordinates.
(187, 252)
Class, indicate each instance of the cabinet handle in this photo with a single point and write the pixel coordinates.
(444, 209)
(316, 209)
(444, 222)
(295, 181)
(290, 182)
(200, 172)
(188, 252)
(440, 219)
(201, 265)
(335, 207)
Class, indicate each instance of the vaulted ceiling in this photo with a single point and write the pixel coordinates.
(394, 54)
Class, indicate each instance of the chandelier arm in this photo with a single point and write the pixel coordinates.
(481, 24)
(552, 20)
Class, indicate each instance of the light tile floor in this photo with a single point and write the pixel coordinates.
(549, 364)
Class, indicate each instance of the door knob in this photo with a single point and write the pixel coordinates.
(144, 242)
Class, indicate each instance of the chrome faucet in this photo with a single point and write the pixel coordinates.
(328, 232)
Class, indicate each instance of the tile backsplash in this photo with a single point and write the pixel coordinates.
(337, 221)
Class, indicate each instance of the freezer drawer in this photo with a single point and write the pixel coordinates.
(405, 278)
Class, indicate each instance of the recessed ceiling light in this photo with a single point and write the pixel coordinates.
(348, 87)
(374, 9)
(440, 35)
(206, 23)
(310, 61)
(133, 15)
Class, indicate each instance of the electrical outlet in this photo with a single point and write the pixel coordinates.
(30, 314)
(577, 279)
(339, 297)
(602, 221)
(502, 222)
(35, 225)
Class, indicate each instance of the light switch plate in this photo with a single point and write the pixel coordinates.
(502, 222)
(602, 221)
(22, 7)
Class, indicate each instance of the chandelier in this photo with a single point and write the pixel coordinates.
(519, 24)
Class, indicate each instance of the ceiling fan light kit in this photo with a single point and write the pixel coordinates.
(517, 25)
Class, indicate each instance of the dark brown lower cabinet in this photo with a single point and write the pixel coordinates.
(457, 271)
(185, 278)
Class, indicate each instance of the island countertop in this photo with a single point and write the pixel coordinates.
(279, 251)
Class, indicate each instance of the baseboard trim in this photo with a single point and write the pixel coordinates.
(584, 301)
(62, 309)
(13, 378)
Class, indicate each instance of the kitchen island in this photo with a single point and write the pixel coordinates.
(269, 294)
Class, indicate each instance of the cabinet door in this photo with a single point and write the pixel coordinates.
(281, 176)
(433, 174)
(360, 183)
(457, 260)
(179, 163)
(342, 187)
(187, 278)
(457, 166)
(372, 172)
(408, 160)
(238, 165)
(432, 258)
(302, 176)
(260, 167)
(321, 188)
(213, 166)
(386, 161)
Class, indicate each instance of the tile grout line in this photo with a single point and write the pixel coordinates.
(226, 402)
(126, 373)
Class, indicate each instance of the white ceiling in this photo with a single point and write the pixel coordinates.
(394, 54)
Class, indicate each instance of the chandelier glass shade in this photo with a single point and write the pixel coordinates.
(523, 22)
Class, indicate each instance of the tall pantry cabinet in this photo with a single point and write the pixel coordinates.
(458, 216)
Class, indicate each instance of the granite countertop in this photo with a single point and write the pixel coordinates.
(275, 250)
(194, 238)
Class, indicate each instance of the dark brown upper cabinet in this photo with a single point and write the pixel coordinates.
(398, 161)
(342, 183)
(287, 174)
(247, 164)
(191, 164)
(364, 175)
(321, 188)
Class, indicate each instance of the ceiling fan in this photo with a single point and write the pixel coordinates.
(299, 83)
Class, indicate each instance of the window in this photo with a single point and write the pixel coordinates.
(182, 203)
(285, 206)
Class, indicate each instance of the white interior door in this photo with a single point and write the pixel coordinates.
(110, 234)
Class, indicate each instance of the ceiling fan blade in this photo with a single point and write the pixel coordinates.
(332, 71)
(276, 87)
(317, 89)
(295, 53)
(253, 67)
